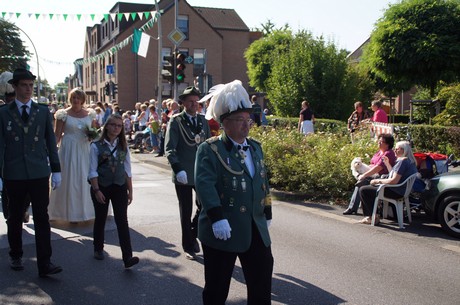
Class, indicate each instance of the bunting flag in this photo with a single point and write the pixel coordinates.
(81, 17)
(140, 43)
(121, 44)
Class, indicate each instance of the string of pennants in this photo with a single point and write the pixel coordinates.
(118, 46)
(80, 17)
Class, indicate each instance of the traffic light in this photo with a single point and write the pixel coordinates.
(180, 67)
(168, 68)
(107, 89)
(114, 88)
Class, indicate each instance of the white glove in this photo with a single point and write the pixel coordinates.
(221, 229)
(182, 177)
(55, 180)
(1, 184)
(269, 222)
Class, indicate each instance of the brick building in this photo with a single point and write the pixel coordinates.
(216, 39)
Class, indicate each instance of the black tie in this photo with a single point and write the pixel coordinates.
(24, 115)
(245, 147)
(194, 121)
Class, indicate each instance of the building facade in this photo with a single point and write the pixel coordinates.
(214, 38)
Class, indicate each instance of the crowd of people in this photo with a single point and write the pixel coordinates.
(85, 148)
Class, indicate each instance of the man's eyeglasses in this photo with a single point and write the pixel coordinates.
(241, 120)
(115, 125)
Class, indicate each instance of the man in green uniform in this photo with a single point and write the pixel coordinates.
(185, 131)
(28, 154)
(232, 185)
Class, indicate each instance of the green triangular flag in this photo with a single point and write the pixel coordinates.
(37, 15)
(65, 16)
(146, 14)
(51, 16)
(92, 16)
(120, 16)
(78, 17)
(3, 14)
(106, 17)
(133, 16)
(18, 14)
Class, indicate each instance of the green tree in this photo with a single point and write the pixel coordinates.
(450, 116)
(261, 54)
(314, 70)
(416, 42)
(13, 54)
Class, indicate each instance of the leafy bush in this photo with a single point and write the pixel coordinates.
(317, 165)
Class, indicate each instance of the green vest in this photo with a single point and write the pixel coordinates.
(111, 169)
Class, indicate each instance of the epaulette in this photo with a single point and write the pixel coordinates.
(175, 115)
(212, 139)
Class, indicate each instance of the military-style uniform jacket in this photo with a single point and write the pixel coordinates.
(181, 143)
(227, 191)
(27, 150)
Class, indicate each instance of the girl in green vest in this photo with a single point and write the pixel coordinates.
(110, 178)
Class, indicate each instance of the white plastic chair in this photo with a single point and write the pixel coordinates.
(399, 203)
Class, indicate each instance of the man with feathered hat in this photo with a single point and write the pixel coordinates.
(232, 185)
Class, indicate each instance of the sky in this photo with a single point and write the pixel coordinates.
(59, 43)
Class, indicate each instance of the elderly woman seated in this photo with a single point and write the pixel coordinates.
(405, 166)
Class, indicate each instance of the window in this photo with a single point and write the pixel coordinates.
(165, 52)
(182, 24)
(199, 61)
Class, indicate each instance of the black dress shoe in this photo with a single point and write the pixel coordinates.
(99, 255)
(49, 269)
(196, 247)
(349, 212)
(131, 261)
(190, 255)
(16, 264)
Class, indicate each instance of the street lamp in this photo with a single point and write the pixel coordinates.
(38, 66)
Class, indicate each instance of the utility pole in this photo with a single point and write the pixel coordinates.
(160, 58)
(176, 13)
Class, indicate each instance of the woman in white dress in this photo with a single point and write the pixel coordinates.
(72, 201)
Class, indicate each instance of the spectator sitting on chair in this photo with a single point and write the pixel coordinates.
(385, 142)
(405, 166)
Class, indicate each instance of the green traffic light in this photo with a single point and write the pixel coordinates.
(180, 77)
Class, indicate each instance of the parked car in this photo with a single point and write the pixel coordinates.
(442, 201)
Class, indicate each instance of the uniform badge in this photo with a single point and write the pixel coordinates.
(243, 185)
(234, 184)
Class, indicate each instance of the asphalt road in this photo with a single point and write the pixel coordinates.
(321, 257)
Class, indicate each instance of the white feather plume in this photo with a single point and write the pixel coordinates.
(232, 96)
(4, 86)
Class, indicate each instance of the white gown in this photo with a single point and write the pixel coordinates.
(72, 200)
